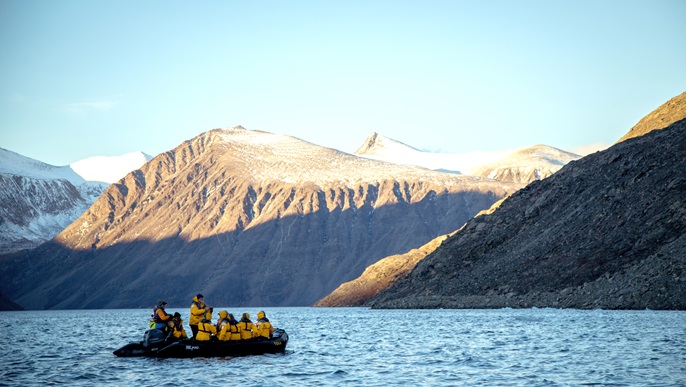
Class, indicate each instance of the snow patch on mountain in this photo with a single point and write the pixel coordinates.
(378, 147)
(268, 156)
(12, 163)
(522, 165)
(109, 169)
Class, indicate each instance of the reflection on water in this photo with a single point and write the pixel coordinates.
(357, 346)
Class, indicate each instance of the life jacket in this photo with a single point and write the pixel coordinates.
(197, 312)
(264, 328)
(178, 325)
(156, 317)
(204, 326)
(205, 330)
(220, 324)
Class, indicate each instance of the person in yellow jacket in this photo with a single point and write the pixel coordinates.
(230, 330)
(198, 309)
(223, 320)
(206, 330)
(178, 333)
(246, 327)
(264, 327)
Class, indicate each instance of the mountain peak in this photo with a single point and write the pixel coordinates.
(377, 144)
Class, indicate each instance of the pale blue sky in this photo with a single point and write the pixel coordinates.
(87, 78)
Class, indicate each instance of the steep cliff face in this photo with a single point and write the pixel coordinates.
(606, 231)
(247, 218)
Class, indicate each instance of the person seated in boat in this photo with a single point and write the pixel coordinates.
(230, 330)
(222, 321)
(198, 309)
(264, 327)
(246, 327)
(206, 330)
(160, 317)
(177, 331)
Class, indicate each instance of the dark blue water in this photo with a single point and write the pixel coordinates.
(361, 347)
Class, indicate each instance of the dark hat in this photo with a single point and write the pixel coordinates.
(161, 302)
(199, 296)
(177, 315)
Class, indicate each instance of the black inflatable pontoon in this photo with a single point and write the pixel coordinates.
(154, 347)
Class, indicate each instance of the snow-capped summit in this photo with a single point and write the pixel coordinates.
(378, 144)
(521, 166)
(12, 163)
(378, 147)
(267, 156)
(109, 169)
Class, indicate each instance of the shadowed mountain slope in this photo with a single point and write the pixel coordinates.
(606, 231)
(246, 218)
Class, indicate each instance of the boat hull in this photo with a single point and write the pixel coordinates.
(194, 348)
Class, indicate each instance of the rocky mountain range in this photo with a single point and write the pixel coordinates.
(246, 218)
(39, 200)
(656, 280)
(519, 166)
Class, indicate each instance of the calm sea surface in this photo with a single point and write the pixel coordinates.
(362, 347)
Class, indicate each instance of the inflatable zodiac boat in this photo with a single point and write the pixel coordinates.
(155, 345)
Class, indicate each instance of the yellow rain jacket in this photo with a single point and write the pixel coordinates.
(264, 327)
(223, 320)
(177, 329)
(230, 330)
(246, 327)
(205, 328)
(197, 311)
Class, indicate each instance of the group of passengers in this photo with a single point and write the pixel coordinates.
(225, 329)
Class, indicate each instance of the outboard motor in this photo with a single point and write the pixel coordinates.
(153, 338)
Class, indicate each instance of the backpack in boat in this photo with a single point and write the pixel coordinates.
(152, 338)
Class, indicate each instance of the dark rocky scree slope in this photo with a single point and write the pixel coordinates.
(607, 231)
(196, 219)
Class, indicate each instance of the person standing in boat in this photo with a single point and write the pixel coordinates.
(160, 316)
(177, 331)
(246, 327)
(206, 330)
(230, 330)
(198, 309)
(264, 327)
